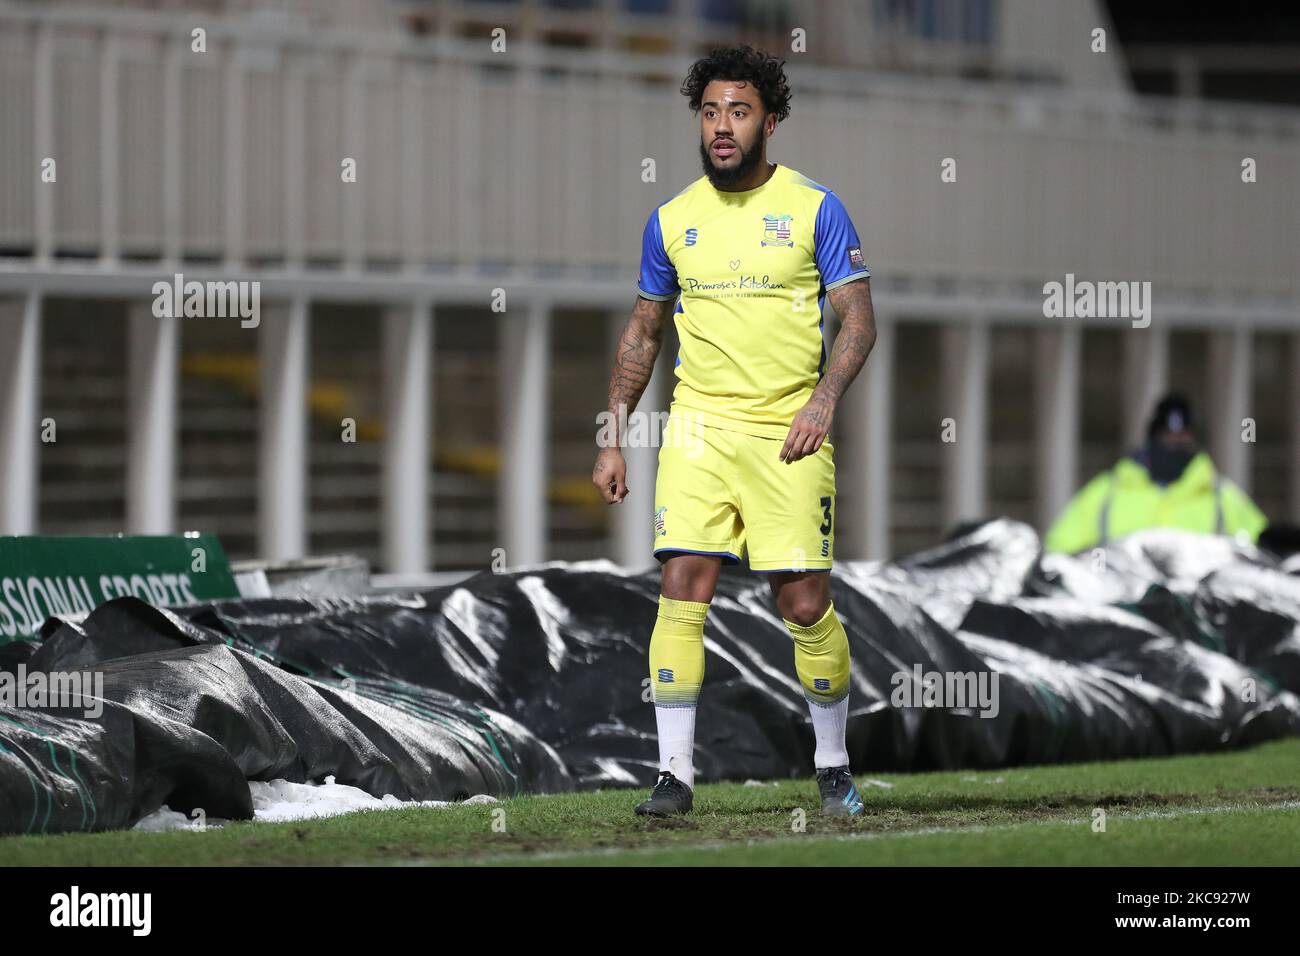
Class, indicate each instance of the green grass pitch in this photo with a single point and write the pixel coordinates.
(1238, 808)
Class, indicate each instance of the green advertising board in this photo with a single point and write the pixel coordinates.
(42, 577)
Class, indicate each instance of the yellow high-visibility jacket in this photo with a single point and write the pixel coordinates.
(1125, 499)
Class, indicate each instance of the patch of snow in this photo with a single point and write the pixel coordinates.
(165, 818)
(280, 800)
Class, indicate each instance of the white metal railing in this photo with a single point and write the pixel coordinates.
(234, 155)
(228, 164)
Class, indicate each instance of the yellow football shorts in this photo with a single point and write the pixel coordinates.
(724, 492)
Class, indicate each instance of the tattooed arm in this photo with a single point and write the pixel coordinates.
(638, 347)
(857, 335)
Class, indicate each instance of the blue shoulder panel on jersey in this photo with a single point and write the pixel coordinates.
(658, 276)
(836, 245)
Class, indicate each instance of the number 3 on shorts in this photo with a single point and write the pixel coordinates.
(826, 515)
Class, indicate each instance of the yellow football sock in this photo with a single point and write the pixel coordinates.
(821, 658)
(677, 652)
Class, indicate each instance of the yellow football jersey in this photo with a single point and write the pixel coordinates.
(752, 269)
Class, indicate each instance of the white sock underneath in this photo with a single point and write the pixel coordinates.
(677, 742)
(828, 724)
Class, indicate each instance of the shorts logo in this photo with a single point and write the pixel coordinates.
(821, 683)
(660, 530)
(691, 236)
(855, 257)
(826, 547)
(776, 231)
(666, 675)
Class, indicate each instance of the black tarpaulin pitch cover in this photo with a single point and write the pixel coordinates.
(536, 680)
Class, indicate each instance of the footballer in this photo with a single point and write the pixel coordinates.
(742, 260)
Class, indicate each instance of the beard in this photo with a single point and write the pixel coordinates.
(729, 177)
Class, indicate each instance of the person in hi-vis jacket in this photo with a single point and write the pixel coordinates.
(1168, 482)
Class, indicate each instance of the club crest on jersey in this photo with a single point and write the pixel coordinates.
(659, 522)
(776, 231)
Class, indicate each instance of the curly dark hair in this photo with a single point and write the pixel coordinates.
(767, 73)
